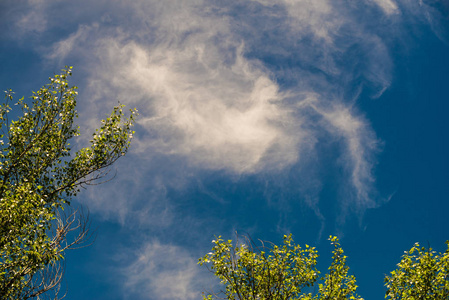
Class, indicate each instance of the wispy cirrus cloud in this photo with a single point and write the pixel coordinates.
(163, 271)
(216, 115)
(206, 94)
(33, 19)
(221, 87)
(388, 6)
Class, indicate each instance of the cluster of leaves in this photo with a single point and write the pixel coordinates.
(421, 274)
(278, 273)
(38, 177)
(338, 284)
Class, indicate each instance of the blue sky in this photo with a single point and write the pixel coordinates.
(262, 117)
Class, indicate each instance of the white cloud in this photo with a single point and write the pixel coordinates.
(137, 197)
(360, 147)
(436, 12)
(63, 48)
(221, 85)
(204, 99)
(217, 115)
(163, 271)
(33, 20)
(388, 6)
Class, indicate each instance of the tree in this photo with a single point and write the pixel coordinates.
(271, 272)
(39, 176)
(422, 274)
(338, 284)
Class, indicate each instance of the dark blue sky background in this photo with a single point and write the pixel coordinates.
(262, 117)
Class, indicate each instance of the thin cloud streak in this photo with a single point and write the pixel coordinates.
(202, 98)
(34, 19)
(163, 271)
(388, 6)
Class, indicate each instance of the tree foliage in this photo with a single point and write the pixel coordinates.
(338, 284)
(39, 176)
(276, 272)
(271, 272)
(422, 274)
